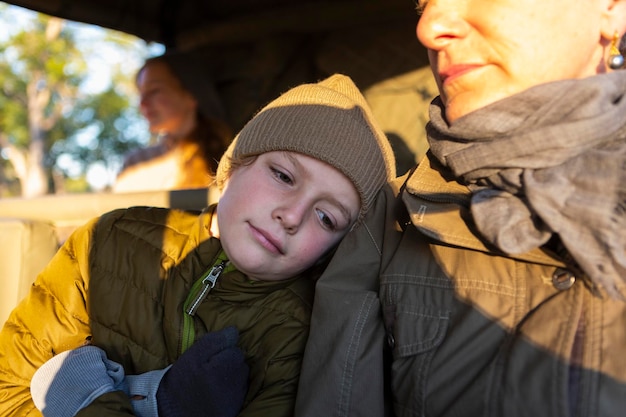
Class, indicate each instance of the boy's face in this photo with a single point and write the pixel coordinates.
(280, 214)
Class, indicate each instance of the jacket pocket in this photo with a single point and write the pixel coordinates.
(414, 337)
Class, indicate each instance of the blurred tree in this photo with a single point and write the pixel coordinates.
(47, 116)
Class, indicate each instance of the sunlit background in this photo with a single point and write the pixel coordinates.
(111, 59)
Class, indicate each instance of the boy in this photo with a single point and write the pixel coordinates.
(296, 179)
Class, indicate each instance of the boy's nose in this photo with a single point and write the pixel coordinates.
(290, 215)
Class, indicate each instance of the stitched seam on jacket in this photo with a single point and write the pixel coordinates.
(403, 279)
(371, 236)
(348, 372)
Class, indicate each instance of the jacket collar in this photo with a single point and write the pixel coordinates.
(438, 207)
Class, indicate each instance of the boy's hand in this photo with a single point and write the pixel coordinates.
(210, 378)
(72, 379)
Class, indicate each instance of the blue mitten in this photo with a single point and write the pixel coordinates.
(72, 379)
(210, 378)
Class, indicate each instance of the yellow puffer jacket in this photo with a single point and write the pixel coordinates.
(122, 279)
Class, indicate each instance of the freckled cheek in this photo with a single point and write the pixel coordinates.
(315, 246)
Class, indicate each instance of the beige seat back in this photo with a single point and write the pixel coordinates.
(32, 229)
(26, 247)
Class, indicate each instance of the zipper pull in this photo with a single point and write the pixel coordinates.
(207, 284)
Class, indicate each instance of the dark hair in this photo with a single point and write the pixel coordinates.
(153, 60)
(213, 136)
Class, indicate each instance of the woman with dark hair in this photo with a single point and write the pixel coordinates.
(184, 113)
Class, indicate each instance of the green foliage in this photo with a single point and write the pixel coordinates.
(9, 186)
(77, 185)
(42, 96)
(99, 129)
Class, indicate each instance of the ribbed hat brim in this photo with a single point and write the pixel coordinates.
(329, 121)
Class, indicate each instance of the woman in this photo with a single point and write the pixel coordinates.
(490, 281)
(183, 112)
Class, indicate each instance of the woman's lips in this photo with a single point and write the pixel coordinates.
(452, 72)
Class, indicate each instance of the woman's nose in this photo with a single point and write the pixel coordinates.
(441, 22)
(143, 104)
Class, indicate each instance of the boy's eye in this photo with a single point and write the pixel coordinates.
(281, 176)
(326, 221)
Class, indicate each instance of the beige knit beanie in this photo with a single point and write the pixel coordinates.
(329, 121)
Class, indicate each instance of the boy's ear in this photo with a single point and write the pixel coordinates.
(613, 18)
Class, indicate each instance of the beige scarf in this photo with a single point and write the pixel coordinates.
(550, 160)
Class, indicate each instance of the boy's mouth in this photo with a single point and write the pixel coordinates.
(267, 240)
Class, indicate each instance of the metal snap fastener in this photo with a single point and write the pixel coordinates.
(562, 279)
(391, 342)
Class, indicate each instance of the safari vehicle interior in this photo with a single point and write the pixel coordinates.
(253, 50)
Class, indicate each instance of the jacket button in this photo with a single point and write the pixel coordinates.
(391, 341)
(562, 279)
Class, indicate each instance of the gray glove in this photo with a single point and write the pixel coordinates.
(73, 379)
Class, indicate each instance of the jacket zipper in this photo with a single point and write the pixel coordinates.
(198, 293)
(208, 283)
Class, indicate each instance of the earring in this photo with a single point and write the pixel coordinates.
(616, 59)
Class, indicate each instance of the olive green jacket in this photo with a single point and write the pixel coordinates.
(416, 316)
(122, 281)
